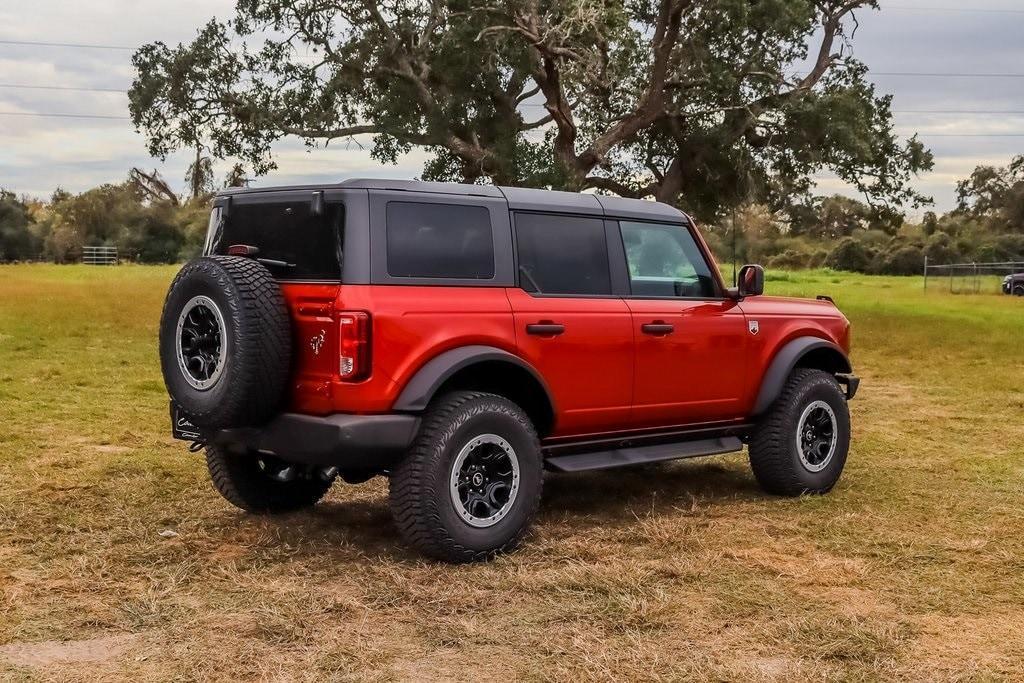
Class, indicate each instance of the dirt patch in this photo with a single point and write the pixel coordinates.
(987, 645)
(50, 652)
(110, 448)
(818, 568)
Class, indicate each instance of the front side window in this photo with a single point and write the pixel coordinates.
(664, 261)
(439, 241)
(562, 254)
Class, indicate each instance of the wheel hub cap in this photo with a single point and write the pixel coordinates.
(816, 436)
(484, 480)
(201, 342)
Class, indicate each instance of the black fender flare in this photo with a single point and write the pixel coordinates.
(786, 359)
(419, 390)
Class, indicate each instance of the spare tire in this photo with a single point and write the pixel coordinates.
(225, 342)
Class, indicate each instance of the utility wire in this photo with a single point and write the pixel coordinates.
(936, 74)
(971, 10)
(64, 116)
(1006, 112)
(126, 118)
(19, 86)
(37, 43)
(970, 135)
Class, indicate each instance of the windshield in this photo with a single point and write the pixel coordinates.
(293, 241)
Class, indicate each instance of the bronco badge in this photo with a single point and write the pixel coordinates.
(317, 341)
(753, 326)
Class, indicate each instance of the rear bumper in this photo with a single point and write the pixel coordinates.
(342, 440)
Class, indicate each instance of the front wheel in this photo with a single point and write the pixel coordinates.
(1018, 290)
(470, 485)
(800, 444)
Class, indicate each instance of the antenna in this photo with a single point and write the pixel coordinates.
(734, 246)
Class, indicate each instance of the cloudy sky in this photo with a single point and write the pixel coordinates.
(980, 38)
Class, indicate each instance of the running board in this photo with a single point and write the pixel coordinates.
(620, 457)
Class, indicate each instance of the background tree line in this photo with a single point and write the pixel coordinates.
(149, 223)
(725, 108)
(846, 234)
(142, 217)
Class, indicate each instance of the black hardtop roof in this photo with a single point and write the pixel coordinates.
(519, 198)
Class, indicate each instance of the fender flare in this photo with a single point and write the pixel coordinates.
(783, 363)
(420, 389)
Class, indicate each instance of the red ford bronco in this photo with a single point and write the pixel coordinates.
(461, 339)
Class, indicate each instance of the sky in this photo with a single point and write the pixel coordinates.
(37, 154)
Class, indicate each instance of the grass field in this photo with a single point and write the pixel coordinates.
(913, 568)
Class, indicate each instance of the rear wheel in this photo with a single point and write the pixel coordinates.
(471, 484)
(260, 483)
(801, 443)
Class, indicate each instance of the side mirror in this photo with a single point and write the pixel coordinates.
(750, 281)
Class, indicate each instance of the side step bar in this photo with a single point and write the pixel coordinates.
(620, 457)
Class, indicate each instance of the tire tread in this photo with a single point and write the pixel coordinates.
(414, 496)
(238, 479)
(769, 450)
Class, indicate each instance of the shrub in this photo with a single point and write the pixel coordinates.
(1002, 248)
(939, 249)
(789, 260)
(906, 260)
(849, 254)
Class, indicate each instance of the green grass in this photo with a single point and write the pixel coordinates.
(911, 569)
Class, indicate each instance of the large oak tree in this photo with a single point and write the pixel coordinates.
(703, 103)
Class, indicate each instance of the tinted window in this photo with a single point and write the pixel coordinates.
(293, 243)
(439, 240)
(562, 254)
(664, 260)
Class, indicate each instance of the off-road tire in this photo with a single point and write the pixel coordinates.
(251, 386)
(774, 457)
(244, 484)
(1018, 290)
(421, 502)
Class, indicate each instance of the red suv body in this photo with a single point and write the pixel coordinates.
(602, 373)
(606, 320)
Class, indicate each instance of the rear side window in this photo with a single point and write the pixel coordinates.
(562, 254)
(293, 242)
(439, 241)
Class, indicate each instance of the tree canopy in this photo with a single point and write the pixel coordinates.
(707, 104)
(995, 195)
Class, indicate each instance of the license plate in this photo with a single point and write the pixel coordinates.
(181, 428)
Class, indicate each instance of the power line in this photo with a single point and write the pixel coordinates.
(64, 116)
(966, 10)
(86, 46)
(19, 86)
(1007, 112)
(936, 74)
(968, 135)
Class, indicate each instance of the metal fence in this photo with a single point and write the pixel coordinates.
(969, 278)
(99, 256)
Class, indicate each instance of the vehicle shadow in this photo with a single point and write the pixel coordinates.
(610, 496)
(360, 526)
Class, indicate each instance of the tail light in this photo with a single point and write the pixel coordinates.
(354, 345)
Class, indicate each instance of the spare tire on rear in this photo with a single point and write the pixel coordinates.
(225, 342)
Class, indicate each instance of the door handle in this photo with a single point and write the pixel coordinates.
(545, 329)
(658, 329)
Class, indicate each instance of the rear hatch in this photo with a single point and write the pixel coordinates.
(298, 237)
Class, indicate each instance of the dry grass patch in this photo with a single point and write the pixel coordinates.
(910, 570)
